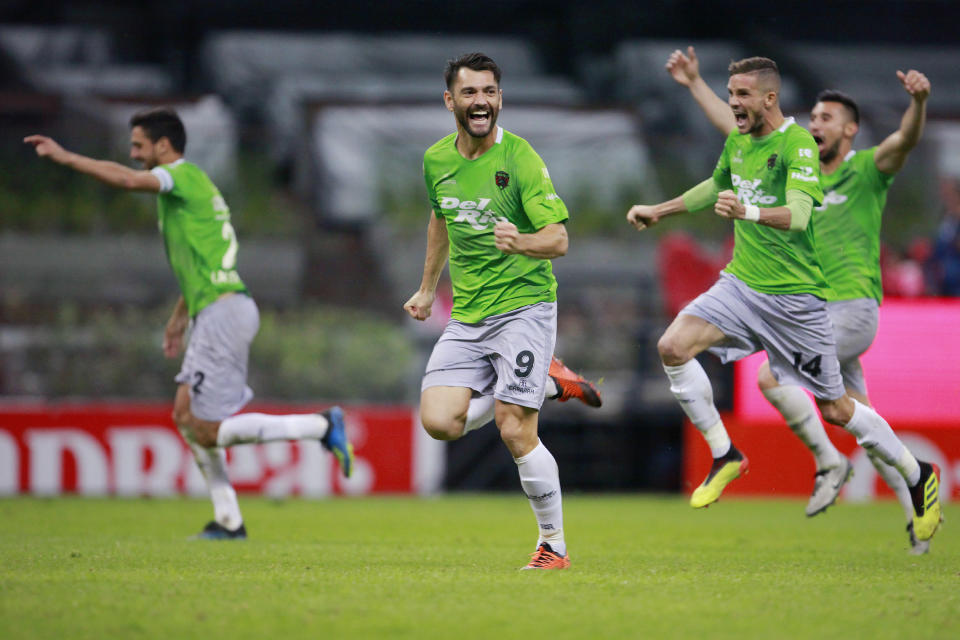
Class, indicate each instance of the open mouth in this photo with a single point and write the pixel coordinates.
(480, 117)
(818, 140)
(740, 117)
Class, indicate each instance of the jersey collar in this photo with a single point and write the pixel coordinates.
(499, 135)
(786, 123)
(849, 155)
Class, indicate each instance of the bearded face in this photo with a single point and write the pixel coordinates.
(475, 100)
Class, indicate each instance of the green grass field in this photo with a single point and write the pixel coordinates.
(643, 567)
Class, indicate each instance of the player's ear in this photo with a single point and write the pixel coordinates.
(851, 129)
(448, 100)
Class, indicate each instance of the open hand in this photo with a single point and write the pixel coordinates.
(684, 68)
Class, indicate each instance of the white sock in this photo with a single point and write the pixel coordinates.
(875, 435)
(691, 387)
(896, 482)
(213, 466)
(479, 413)
(798, 410)
(261, 427)
(540, 480)
(551, 388)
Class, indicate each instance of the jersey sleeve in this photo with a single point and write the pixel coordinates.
(540, 200)
(721, 173)
(867, 165)
(164, 176)
(802, 163)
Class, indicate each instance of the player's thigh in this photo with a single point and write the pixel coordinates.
(214, 368)
(798, 338)
(460, 359)
(721, 319)
(522, 345)
(688, 335)
(443, 405)
(203, 432)
(854, 327)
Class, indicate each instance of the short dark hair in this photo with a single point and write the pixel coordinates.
(476, 61)
(832, 95)
(162, 122)
(764, 67)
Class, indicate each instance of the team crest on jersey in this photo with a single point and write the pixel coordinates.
(502, 179)
(772, 161)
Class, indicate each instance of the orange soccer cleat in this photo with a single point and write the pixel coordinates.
(572, 385)
(545, 558)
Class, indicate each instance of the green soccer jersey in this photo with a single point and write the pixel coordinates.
(847, 227)
(761, 171)
(508, 181)
(197, 235)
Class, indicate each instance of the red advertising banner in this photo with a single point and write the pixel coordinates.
(135, 449)
(781, 466)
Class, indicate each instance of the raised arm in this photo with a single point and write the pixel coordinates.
(420, 304)
(112, 173)
(699, 197)
(892, 153)
(685, 69)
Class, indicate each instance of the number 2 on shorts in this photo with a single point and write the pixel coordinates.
(196, 385)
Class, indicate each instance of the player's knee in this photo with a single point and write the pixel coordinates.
(440, 427)
(835, 411)
(672, 351)
(205, 435)
(181, 417)
(765, 379)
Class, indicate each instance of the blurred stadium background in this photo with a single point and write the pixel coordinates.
(313, 119)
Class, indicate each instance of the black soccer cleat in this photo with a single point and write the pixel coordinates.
(216, 531)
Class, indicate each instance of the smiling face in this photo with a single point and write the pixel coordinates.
(749, 101)
(475, 99)
(142, 148)
(831, 125)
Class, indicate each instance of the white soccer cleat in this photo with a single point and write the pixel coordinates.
(827, 485)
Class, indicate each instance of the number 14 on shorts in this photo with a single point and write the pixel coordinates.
(812, 366)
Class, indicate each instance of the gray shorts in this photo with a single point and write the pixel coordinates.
(794, 330)
(854, 328)
(507, 355)
(215, 364)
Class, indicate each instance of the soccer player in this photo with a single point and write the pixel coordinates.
(771, 295)
(201, 247)
(847, 235)
(498, 218)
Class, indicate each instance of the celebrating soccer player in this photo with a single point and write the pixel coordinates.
(847, 235)
(498, 218)
(771, 296)
(201, 247)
